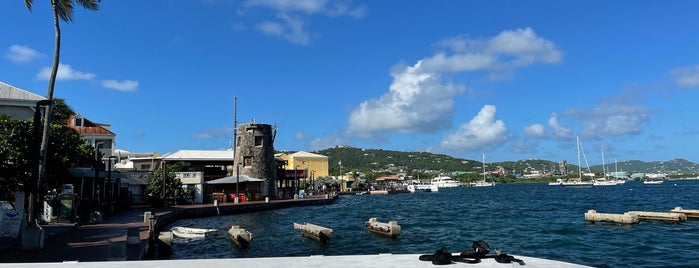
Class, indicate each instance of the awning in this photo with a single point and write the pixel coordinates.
(234, 179)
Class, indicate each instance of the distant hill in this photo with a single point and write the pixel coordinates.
(397, 161)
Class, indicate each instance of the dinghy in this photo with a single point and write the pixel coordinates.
(188, 232)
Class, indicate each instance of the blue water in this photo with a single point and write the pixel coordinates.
(535, 220)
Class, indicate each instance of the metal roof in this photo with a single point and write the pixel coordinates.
(200, 155)
(234, 179)
(14, 93)
(303, 154)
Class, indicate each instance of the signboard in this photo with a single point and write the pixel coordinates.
(10, 220)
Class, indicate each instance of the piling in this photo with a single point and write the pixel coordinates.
(592, 216)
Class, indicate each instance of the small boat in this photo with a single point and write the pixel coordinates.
(391, 228)
(240, 236)
(653, 182)
(316, 232)
(188, 232)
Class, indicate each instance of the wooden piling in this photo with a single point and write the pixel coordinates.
(592, 216)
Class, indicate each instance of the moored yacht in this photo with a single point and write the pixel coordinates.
(444, 182)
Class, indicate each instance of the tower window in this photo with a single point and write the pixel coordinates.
(247, 161)
(258, 140)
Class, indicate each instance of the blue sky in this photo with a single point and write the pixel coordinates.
(511, 79)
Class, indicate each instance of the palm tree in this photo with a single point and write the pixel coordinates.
(62, 9)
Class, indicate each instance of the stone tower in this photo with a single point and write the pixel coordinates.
(254, 153)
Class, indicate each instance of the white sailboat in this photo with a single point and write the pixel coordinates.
(574, 182)
(484, 182)
(604, 181)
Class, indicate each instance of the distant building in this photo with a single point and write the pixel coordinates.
(316, 163)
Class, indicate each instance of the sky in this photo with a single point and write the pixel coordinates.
(508, 79)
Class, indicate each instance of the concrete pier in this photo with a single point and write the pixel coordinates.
(316, 232)
(660, 216)
(690, 213)
(592, 216)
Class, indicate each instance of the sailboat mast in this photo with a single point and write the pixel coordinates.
(577, 142)
(483, 167)
(604, 166)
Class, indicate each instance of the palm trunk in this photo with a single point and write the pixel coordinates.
(47, 116)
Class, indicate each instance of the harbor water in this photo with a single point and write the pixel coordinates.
(534, 220)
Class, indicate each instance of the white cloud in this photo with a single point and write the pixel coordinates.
(535, 130)
(65, 72)
(419, 101)
(509, 49)
(416, 103)
(21, 54)
(482, 132)
(126, 85)
(292, 30)
(610, 119)
(292, 13)
(686, 77)
(326, 7)
(559, 131)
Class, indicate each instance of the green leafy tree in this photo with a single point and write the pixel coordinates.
(67, 149)
(165, 186)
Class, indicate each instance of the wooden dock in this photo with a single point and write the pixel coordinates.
(592, 216)
(690, 213)
(316, 232)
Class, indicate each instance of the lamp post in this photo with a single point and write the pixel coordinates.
(237, 182)
(38, 157)
(164, 177)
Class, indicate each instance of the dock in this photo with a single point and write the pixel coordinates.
(592, 216)
(677, 215)
(690, 213)
(316, 232)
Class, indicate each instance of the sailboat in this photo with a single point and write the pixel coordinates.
(604, 181)
(574, 182)
(483, 183)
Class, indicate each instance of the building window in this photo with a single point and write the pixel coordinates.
(145, 167)
(78, 121)
(247, 161)
(258, 140)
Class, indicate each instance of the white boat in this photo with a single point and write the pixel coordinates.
(604, 181)
(578, 182)
(484, 182)
(653, 182)
(423, 186)
(188, 232)
(444, 182)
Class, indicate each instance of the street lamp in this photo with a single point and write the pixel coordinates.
(237, 182)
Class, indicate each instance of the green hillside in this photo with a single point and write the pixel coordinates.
(379, 160)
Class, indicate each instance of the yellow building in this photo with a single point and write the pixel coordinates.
(315, 164)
